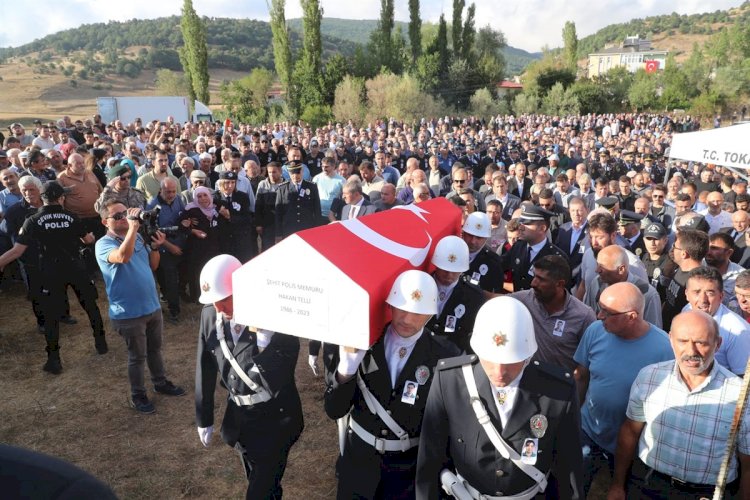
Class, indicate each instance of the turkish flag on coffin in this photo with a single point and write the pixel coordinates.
(651, 66)
(330, 283)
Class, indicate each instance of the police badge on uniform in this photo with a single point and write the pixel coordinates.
(483, 269)
(422, 374)
(538, 424)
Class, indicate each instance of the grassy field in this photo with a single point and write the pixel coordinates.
(83, 415)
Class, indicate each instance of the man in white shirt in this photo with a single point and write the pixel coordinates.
(714, 215)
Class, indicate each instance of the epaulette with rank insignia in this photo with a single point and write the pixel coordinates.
(457, 362)
(555, 372)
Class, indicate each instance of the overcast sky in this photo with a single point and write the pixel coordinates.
(527, 24)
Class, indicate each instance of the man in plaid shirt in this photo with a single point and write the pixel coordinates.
(678, 421)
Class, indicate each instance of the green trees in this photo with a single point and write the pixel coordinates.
(246, 99)
(307, 71)
(570, 45)
(194, 53)
(282, 52)
(415, 30)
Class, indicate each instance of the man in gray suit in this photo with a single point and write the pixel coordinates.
(356, 204)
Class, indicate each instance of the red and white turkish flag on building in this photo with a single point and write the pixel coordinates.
(651, 66)
(330, 283)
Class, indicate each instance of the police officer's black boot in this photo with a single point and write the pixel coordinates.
(53, 364)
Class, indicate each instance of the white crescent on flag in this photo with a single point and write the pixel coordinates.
(652, 66)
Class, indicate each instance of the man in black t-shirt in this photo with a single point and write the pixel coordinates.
(689, 249)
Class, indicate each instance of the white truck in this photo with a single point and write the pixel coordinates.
(127, 109)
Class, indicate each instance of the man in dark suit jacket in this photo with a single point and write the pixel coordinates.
(297, 204)
(263, 417)
(543, 414)
(356, 204)
(521, 180)
(237, 234)
(737, 231)
(572, 236)
(532, 244)
(500, 193)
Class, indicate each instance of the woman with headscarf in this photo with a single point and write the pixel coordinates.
(201, 219)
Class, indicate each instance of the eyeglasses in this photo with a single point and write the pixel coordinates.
(118, 215)
(608, 314)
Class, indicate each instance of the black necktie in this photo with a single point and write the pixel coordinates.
(528, 257)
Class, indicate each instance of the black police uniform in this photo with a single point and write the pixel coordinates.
(363, 471)
(265, 215)
(517, 261)
(294, 212)
(486, 271)
(58, 234)
(262, 433)
(611, 171)
(461, 308)
(314, 163)
(659, 272)
(237, 235)
(453, 438)
(266, 157)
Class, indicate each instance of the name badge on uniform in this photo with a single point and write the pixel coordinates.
(557, 331)
(530, 451)
(475, 277)
(409, 396)
(459, 311)
(301, 193)
(581, 249)
(236, 206)
(450, 324)
(483, 269)
(531, 271)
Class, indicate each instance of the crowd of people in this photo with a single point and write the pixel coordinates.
(592, 314)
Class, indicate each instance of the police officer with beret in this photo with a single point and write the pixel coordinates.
(297, 204)
(382, 391)
(58, 235)
(497, 425)
(458, 300)
(263, 417)
(485, 269)
(532, 244)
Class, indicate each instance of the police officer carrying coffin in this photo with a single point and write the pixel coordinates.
(383, 390)
(263, 418)
(484, 411)
(458, 300)
(58, 235)
(485, 268)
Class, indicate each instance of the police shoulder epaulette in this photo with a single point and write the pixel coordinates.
(458, 361)
(554, 371)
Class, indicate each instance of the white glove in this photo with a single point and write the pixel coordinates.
(205, 434)
(264, 338)
(312, 360)
(349, 361)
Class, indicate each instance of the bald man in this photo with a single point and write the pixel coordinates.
(738, 230)
(611, 353)
(612, 266)
(678, 405)
(714, 215)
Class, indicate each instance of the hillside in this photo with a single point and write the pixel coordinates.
(358, 31)
(674, 32)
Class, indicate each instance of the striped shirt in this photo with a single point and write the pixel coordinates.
(686, 431)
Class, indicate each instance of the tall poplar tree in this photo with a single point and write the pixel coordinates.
(194, 53)
(570, 44)
(469, 32)
(415, 30)
(307, 71)
(457, 27)
(282, 52)
(441, 43)
(384, 41)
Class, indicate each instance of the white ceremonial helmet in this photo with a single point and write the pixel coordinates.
(478, 224)
(451, 254)
(216, 278)
(503, 332)
(415, 292)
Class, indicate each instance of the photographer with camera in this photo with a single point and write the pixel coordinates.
(57, 235)
(167, 208)
(237, 235)
(127, 261)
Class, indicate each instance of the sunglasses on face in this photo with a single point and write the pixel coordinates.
(118, 215)
(125, 177)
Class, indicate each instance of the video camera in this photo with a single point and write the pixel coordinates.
(150, 224)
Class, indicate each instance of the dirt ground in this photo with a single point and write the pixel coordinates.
(83, 415)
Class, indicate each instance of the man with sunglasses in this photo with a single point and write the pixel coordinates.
(611, 353)
(460, 181)
(118, 188)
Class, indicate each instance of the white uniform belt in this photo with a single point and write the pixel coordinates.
(380, 444)
(251, 399)
(524, 495)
